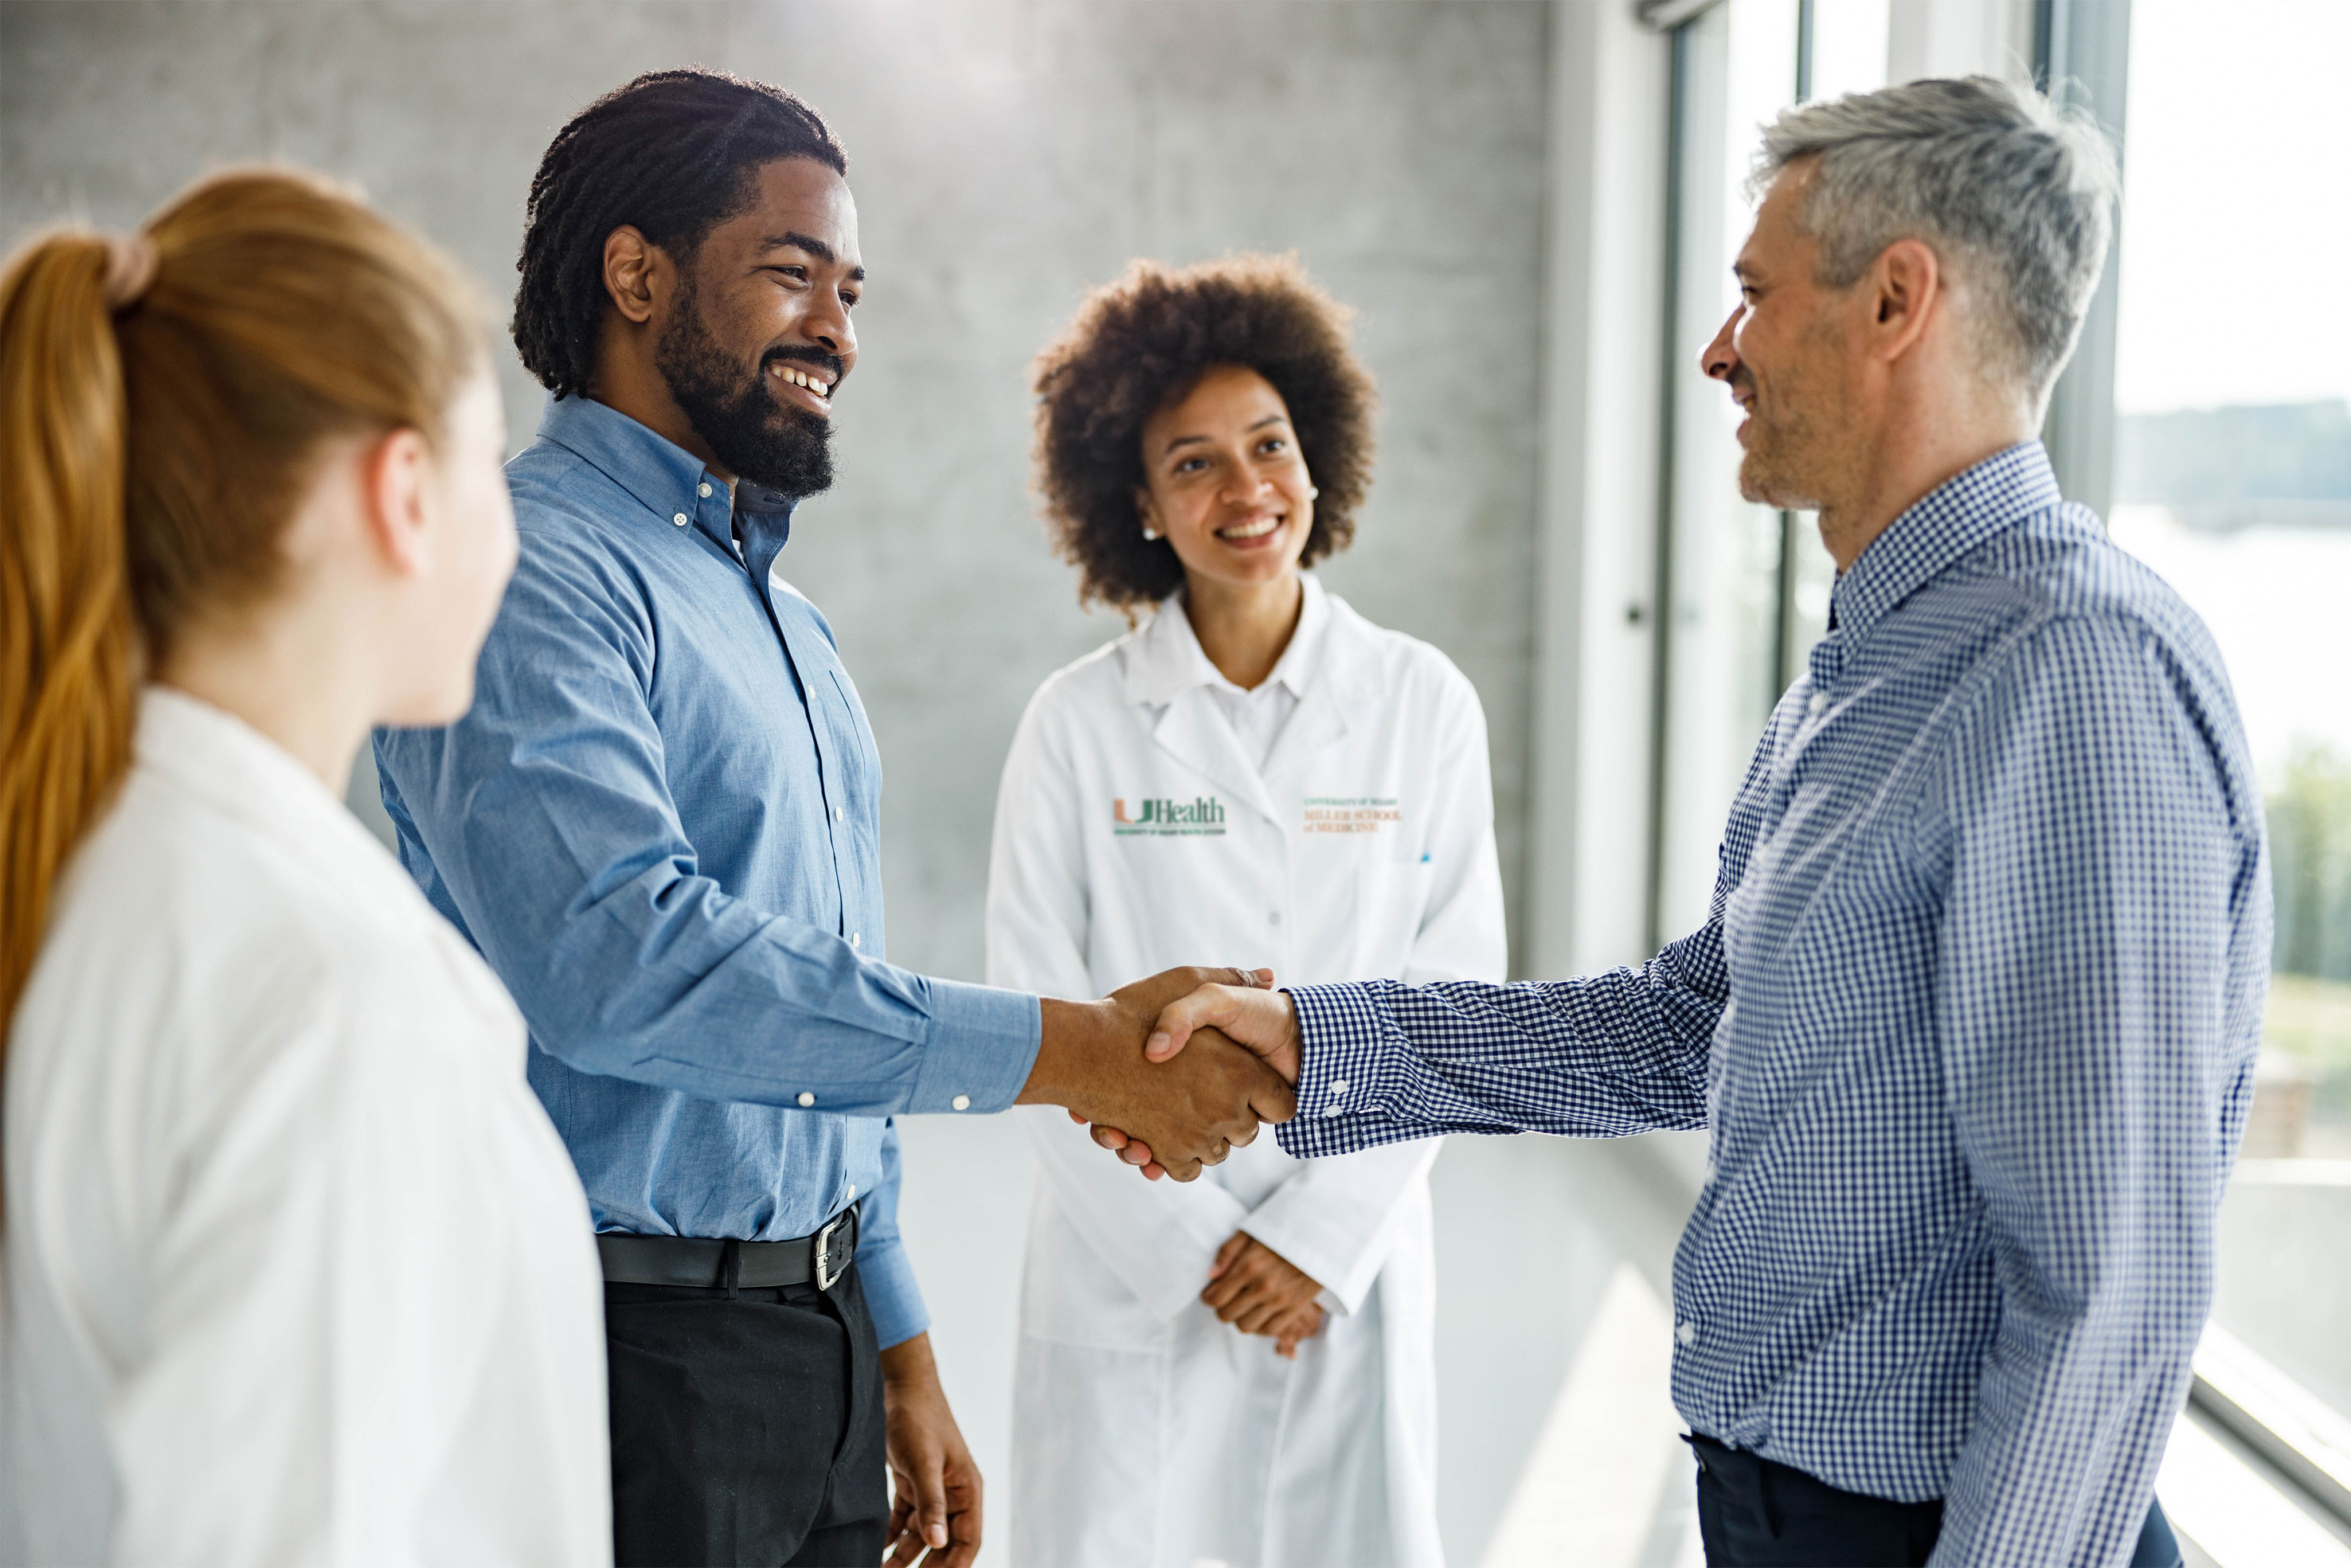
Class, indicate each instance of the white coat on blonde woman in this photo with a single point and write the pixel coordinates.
(1137, 828)
(298, 1270)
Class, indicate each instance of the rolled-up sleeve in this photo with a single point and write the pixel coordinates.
(547, 819)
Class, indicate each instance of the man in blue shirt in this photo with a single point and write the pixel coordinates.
(660, 825)
(1972, 1019)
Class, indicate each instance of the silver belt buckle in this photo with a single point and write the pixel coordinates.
(832, 1260)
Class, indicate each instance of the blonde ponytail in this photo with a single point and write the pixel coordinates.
(67, 648)
(163, 398)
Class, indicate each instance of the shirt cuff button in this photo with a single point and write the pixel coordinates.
(1339, 1086)
(961, 1102)
(1686, 1332)
(807, 1098)
(679, 519)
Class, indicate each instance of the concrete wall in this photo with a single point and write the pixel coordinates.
(1005, 155)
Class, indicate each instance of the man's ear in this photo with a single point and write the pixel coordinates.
(1905, 289)
(631, 265)
(394, 475)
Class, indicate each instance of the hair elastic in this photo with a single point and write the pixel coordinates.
(131, 264)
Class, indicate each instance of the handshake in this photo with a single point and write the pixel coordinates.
(1123, 1064)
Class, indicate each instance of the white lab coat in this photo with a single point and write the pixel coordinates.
(1147, 1433)
(297, 1270)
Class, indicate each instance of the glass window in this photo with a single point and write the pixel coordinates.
(1745, 588)
(2232, 478)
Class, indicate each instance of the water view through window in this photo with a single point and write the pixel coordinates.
(2232, 478)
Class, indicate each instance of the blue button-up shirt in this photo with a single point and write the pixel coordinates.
(1972, 1021)
(660, 823)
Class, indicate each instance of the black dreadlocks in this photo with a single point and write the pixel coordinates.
(674, 153)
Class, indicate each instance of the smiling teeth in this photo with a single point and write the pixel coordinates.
(799, 379)
(1257, 529)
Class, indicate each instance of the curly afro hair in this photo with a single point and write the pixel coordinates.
(1145, 340)
(674, 152)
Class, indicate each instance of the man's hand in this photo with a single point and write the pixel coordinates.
(935, 1488)
(1264, 1020)
(1189, 1112)
(1255, 1016)
(1260, 1291)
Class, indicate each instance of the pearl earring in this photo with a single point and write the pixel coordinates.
(1149, 533)
(1312, 491)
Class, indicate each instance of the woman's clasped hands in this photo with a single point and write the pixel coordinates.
(1260, 1291)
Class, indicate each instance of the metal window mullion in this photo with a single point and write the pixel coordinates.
(1661, 609)
(2082, 55)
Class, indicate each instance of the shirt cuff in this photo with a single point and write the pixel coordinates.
(892, 1296)
(980, 1049)
(1340, 1029)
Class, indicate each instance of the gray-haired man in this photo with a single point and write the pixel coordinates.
(1973, 1017)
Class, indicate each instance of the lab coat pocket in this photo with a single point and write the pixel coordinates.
(1071, 1297)
(1390, 897)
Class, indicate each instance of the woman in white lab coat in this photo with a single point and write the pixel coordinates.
(297, 1268)
(1238, 1370)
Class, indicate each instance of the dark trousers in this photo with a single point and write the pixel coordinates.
(746, 1426)
(1754, 1513)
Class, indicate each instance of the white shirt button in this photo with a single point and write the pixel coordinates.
(839, 813)
(961, 1102)
(852, 1189)
(1686, 1332)
(1819, 700)
(1273, 917)
(704, 489)
(1332, 1110)
(807, 1098)
(856, 938)
(679, 519)
(1339, 1086)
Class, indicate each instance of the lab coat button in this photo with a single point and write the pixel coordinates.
(807, 1098)
(961, 1102)
(1686, 1332)
(679, 519)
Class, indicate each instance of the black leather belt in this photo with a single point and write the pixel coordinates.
(820, 1259)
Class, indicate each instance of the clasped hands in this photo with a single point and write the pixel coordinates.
(1175, 1072)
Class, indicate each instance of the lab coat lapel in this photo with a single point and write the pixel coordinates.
(1166, 671)
(1343, 678)
(1317, 724)
(1193, 732)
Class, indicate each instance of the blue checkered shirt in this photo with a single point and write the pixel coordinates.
(1972, 1021)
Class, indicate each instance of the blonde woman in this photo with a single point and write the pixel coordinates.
(1241, 1369)
(297, 1268)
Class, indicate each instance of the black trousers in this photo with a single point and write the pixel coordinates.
(746, 1426)
(1754, 1513)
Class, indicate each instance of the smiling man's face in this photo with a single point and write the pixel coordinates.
(1785, 356)
(757, 339)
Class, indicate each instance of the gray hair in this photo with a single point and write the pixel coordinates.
(2014, 193)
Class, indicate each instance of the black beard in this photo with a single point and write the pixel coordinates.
(754, 434)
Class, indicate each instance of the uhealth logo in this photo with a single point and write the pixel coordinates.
(1204, 815)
